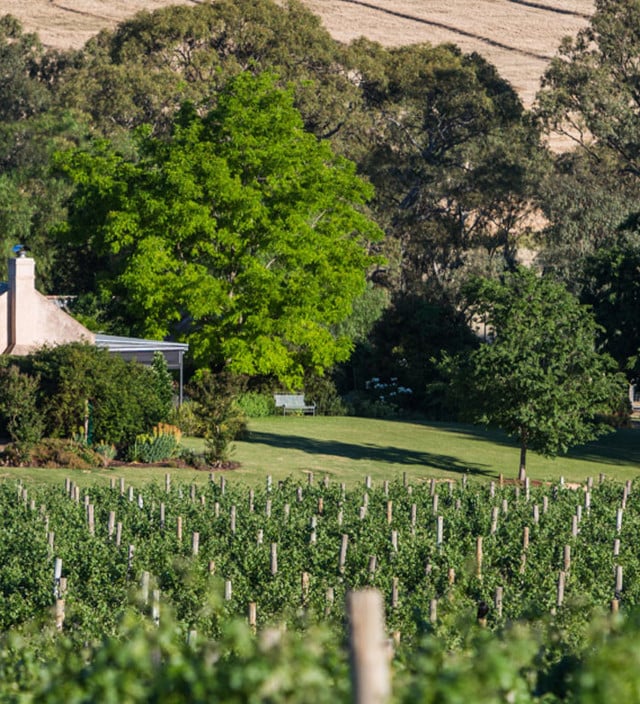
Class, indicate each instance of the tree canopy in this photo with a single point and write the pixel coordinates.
(540, 375)
(241, 233)
(611, 285)
(591, 94)
(219, 208)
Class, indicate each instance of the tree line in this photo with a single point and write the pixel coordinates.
(308, 213)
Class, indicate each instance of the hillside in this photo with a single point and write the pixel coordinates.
(518, 36)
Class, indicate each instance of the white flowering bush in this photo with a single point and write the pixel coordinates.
(382, 399)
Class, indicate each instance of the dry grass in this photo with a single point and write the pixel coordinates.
(518, 36)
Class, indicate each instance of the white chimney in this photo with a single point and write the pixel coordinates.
(32, 319)
(22, 300)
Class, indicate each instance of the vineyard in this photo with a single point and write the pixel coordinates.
(123, 594)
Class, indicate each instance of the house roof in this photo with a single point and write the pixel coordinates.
(142, 350)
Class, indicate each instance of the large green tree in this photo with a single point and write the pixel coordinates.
(241, 233)
(32, 127)
(591, 95)
(591, 90)
(455, 162)
(611, 285)
(540, 375)
(143, 71)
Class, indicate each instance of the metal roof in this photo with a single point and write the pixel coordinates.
(125, 344)
(143, 350)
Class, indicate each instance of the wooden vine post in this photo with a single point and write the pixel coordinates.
(252, 616)
(498, 600)
(368, 648)
(343, 552)
(60, 615)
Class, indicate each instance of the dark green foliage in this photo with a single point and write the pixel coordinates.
(32, 127)
(221, 418)
(22, 418)
(23, 93)
(539, 375)
(455, 163)
(121, 395)
(590, 96)
(590, 90)
(403, 344)
(163, 384)
(143, 71)
(611, 286)
(322, 391)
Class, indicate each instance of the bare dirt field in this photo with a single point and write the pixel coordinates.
(518, 36)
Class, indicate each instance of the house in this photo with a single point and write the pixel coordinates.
(29, 320)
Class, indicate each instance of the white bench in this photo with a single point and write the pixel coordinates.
(293, 403)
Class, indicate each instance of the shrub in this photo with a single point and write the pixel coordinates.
(161, 444)
(19, 409)
(221, 417)
(255, 404)
(186, 417)
(122, 396)
(162, 384)
(322, 391)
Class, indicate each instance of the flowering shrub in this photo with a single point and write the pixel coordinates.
(382, 399)
(162, 444)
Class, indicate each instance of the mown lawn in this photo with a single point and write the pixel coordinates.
(348, 449)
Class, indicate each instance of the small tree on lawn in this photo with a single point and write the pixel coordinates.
(221, 418)
(540, 377)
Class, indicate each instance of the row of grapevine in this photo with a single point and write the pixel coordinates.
(445, 556)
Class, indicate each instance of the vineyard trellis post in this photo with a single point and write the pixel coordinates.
(368, 648)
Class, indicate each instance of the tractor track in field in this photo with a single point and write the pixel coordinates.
(453, 29)
(519, 37)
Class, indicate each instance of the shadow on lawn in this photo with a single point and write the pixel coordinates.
(620, 447)
(366, 451)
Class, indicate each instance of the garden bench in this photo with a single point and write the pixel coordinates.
(293, 403)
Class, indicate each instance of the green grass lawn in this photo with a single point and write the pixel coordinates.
(348, 449)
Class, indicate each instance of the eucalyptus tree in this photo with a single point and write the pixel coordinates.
(455, 161)
(591, 96)
(32, 126)
(142, 72)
